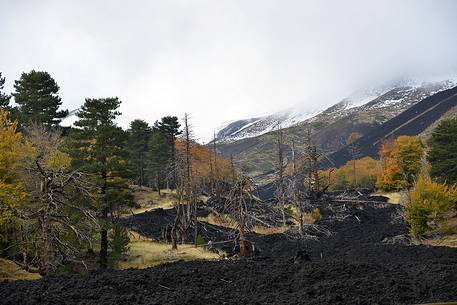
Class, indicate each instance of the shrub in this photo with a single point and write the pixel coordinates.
(119, 243)
(429, 203)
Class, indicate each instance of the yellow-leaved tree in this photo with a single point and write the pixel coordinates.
(429, 204)
(343, 177)
(12, 192)
(401, 161)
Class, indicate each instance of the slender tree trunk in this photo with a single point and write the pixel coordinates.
(280, 182)
(242, 242)
(157, 183)
(195, 225)
(353, 168)
(296, 196)
(242, 224)
(46, 227)
(104, 230)
(183, 235)
(24, 248)
(174, 237)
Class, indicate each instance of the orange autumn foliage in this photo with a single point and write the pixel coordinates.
(202, 160)
(400, 162)
(343, 177)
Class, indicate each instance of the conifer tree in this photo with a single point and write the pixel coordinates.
(170, 127)
(37, 96)
(157, 158)
(139, 133)
(443, 152)
(100, 149)
(4, 98)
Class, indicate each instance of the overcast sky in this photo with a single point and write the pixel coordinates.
(224, 60)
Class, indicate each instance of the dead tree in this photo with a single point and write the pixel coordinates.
(351, 142)
(53, 185)
(217, 189)
(237, 207)
(280, 167)
(188, 211)
(296, 191)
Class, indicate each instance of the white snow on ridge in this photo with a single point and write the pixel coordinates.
(406, 91)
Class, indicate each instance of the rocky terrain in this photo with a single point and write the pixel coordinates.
(368, 259)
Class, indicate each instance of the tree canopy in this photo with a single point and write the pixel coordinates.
(37, 96)
(443, 152)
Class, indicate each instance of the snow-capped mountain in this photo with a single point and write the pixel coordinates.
(386, 99)
(252, 127)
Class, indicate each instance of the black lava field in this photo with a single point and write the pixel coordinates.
(368, 259)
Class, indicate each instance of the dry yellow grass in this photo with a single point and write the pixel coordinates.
(219, 220)
(10, 271)
(444, 241)
(146, 253)
(148, 199)
(394, 197)
(270, 230)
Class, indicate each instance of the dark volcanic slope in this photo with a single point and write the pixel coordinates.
(410, 122)
(353, 266)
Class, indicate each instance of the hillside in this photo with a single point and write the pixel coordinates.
(411, 122)
(331, 127)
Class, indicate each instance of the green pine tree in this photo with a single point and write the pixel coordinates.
(158, 157)
(4, 98)
(169, 126)
(37, 96)
(100, 149)
(139, 133)
(443, 152)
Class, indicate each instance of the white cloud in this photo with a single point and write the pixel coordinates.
(222, 60)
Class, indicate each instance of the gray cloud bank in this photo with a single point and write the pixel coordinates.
(222, 60)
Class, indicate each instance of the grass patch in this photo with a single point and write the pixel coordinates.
(147, 199)
(443, 241)
(394, 197)
(145, 253)
(12, 272)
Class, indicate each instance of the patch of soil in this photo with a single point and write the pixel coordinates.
(360, 263)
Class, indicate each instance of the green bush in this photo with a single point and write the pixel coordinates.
(119, 244)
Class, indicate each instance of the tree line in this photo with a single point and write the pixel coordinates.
(63, 189)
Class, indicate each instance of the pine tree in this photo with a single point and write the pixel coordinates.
(157, 157)
(443, 152)
(4, 98)
(37, 96)
(101, 150)
(139, 133)
(170, 127)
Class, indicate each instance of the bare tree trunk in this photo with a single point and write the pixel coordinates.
(242, 242)
(242, 224)
(157, 183)
(280, 181)
(104, 230)
(216, 170)
(195, 224)
(174, 237)
(353, 167)
(46, 227)
(232, 169)
(296, 196)
(24, 248)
